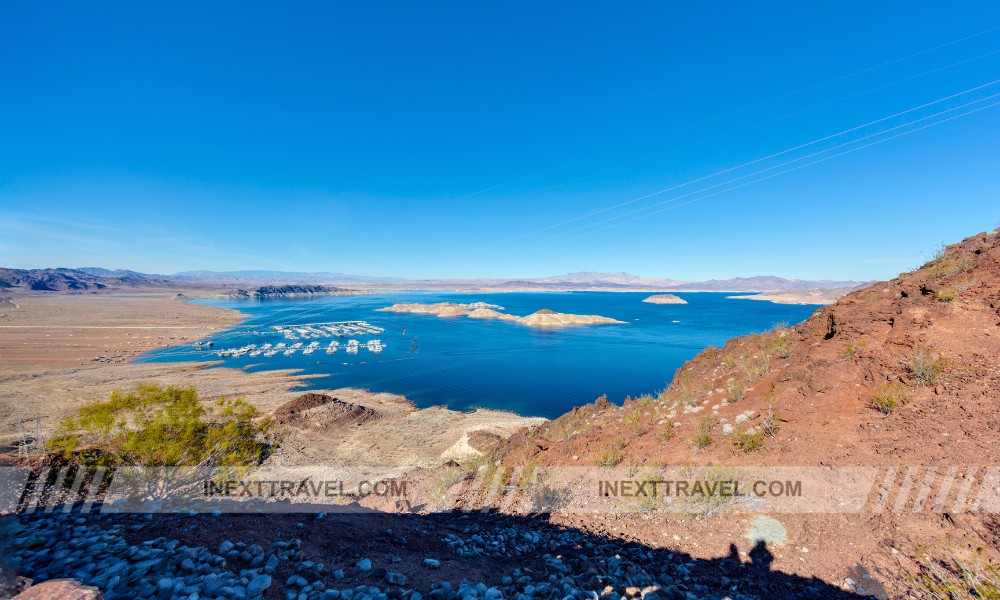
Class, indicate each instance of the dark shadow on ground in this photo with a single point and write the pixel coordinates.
(503, 551)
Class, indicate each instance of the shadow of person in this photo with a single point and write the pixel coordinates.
(761, 557)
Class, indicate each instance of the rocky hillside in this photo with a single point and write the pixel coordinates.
(899, 375)
(59, 280)
(272, 292)
(929, 340)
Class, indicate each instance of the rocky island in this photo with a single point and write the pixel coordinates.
(550, 318)
(482, 310)
(665, 299)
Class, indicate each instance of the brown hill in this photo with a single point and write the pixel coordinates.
(320, 410)
(901, 375)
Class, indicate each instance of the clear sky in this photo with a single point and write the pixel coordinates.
(464, 139)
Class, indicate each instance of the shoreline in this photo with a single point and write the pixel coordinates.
(49, 370)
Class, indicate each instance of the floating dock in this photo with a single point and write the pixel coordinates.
(309, 331)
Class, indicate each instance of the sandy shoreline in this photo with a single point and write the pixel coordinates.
(64, 330)
(48, 344)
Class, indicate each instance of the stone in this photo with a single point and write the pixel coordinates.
(60, 589)
(432, 563)
(395, 578)
(257, 585)
(364, 565)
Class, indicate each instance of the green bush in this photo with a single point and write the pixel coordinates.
(749, 441)
(887, 398)
(156, 426)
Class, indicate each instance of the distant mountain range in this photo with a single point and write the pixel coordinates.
(97, 278)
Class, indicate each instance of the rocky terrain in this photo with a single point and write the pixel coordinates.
(665, 299)
(544, 318)
(376, 556)
(52, 280)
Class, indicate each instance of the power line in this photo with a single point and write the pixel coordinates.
(754, 161)
(752, 106)
(796, 168)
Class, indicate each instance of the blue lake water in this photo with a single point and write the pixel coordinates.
(466, 363)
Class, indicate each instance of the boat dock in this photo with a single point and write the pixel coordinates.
(308, 331)
(311, 332)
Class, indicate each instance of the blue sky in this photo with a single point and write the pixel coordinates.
(457, 139)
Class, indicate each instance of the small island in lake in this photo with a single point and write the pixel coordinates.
(665, 299)
(550, 318)
(481, 310)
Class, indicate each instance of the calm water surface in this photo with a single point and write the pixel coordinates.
(466, 363)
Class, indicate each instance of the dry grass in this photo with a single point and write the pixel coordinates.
(769, 424)
(949, 293)
(735, 391)
(888, 397)
(926, 366)
(852, 350)
(707, 504)
(703, 435)
(749, 441)
(951, 578)
(610, 455)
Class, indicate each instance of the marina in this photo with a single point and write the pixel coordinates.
(326, 330)
(310, 331)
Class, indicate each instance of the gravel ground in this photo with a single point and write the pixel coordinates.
(374, 556)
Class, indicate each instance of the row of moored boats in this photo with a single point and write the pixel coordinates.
(269, 350)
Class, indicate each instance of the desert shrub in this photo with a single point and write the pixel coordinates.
(607, 457)
(708, 501)
(951, 578)
(754, 366)
(781, 346)
(651, 499)
(687, 394)
(735, 390)
(157, 426)
(888, 397)
(667, 432)
(926, 366)
(779, 326)
(948, 294)
(703, 434)
(851, 350)
(632, 416)
(769, 424)
(547, 498)
(749, 441)
(947, 266)
(944, 295)
(443, 481)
